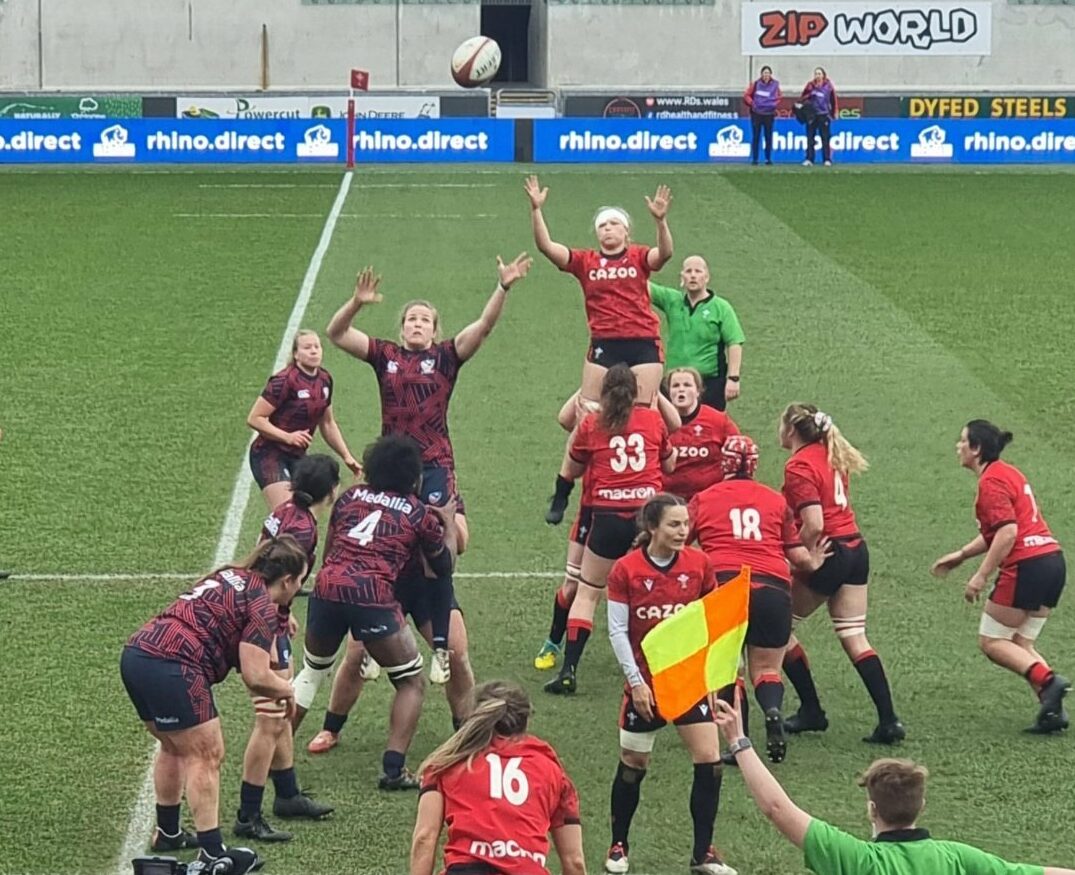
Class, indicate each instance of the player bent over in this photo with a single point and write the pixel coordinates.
(1017, 541)
(501, 792)
(661, 576)
(375, 530)
(226, 621)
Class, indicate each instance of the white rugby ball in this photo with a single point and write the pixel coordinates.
(475, 62)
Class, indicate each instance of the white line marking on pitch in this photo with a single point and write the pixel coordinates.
(265, 185)
(150, 576)
(341, 216)
(143, 812)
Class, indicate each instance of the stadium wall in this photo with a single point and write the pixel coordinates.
(203, 44)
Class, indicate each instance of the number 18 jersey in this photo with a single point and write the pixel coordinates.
(372, 536)
(500, 808)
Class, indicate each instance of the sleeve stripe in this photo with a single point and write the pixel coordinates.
(810, 503)
(572, 821)
(1001, 524)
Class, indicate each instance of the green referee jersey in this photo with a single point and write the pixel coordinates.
(697, 336)
(829, 851)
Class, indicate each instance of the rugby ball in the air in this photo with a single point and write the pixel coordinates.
(475, 62)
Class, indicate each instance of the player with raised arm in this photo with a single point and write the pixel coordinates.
(375, 530)
(227, 621)
(270, 750)
(1018, 544)
(624, 449)
(699, 438)
(615, 288)
(295, 402)
(817, 487)
(738, 522)
(416, 378)
(501, 792)
(658, 578)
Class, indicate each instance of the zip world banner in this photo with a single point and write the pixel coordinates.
(921, 29)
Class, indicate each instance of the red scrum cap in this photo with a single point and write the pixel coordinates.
(739, 456)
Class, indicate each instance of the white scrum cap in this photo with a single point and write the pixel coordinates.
(606, 214)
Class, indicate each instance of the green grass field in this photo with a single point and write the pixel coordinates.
(142, 312)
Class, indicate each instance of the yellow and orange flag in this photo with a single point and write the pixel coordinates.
(696, 652)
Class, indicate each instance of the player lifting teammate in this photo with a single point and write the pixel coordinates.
(738, 522)
(615, 288)
(501, 792)
(660, 577)
(416, 378)
(227, 621)
(817, 487)
(1017, 542)
(293, 403)
(623, 449)
(375, 530)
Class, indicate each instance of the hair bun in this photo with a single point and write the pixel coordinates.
(1006, 438)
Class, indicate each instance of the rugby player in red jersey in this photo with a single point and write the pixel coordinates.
(656, 580)
(501, 792)
(698, 439)
(817, 488)
(227, 621)
(615, 289)
(623, 448)
(738, 522)
(416, 378)
(1018, 544)
(270, 750)
(293, 403)
(376, 529)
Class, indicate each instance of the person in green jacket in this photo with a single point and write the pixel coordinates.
(703, 332)
(896, 794)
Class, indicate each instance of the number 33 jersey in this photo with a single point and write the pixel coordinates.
(499, 809)
(372, 536)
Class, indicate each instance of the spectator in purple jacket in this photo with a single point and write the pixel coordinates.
(820, 94)
(762, 96)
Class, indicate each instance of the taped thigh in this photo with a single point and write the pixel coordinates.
(992, 628)
(638, 742)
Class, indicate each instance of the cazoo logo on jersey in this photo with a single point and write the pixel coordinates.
(867, 28)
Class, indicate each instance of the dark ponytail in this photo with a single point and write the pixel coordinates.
(618, 393)
(988, 439)
(313, 478)
(276, 558)
(651, 514)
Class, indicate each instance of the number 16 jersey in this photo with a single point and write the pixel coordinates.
(372, 536)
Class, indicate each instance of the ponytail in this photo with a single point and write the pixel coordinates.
(500, 709)
(651, 514)
(276, 558)
(815, 426)
(313, 478)
(618, 393)
(988, 439)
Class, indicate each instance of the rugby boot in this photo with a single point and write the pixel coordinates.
(369, 669)
(776, 743)
(547, 656)
(555, 514)
(259, 828)
(616, 864)
(301, 805)
(712, 865)
(1052, 696)
(1046, 724)
(237, 861)
(164, 842)
(564, 684)
(403, 781)
(806, 721)
(887, 733)
(323, 742)
(440, 668)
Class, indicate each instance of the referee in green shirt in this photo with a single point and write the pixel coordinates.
(896, 791)
(703, 332)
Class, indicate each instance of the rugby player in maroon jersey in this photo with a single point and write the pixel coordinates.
(658, 578)
(376, 529)
(699, 438)
(738, 521)
(416, 378)
(295, 402)
(501, 793)
(614, 278)
(1017, 543)
(817, 488)
(227, 621)
(270, 750)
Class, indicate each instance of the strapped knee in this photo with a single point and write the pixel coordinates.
(401, 674)
(991, 628)
(314, 670)
(572, 572)
(849, 627)
(629, 775)
(1031, 628)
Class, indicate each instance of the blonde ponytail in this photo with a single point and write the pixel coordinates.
(813, 426)
(843, 456)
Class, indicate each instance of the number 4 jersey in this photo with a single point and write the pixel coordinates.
(372, 536)
(810, 479)
(500, 808)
